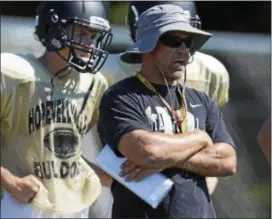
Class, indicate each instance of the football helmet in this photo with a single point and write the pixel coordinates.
(56, 22)
(136, 8)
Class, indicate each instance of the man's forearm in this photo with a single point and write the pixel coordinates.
(161, 150)
(214, 161)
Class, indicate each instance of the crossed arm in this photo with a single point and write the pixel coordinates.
(219, 160)
(192, 151)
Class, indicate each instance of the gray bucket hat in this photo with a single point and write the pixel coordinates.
(156, 21)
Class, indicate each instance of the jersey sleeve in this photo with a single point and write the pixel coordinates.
(223, 90)
(208, 68)
(119, 114)
(99, 87)
(16, 72)
(219, 87)
(215, 125)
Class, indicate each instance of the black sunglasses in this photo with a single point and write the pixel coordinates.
(175, 41)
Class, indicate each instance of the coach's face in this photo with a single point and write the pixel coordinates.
(172, 54)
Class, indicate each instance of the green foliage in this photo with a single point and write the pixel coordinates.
(259, 192)
(118, 12)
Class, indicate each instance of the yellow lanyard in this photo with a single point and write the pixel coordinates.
(180, 122)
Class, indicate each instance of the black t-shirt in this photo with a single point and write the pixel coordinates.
(129, 105)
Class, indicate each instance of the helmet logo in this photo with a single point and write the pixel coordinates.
(55, 18)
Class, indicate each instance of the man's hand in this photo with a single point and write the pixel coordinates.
(135, 172)
(24, 189)
(21, 189)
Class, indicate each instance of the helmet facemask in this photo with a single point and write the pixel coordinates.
(94, 52)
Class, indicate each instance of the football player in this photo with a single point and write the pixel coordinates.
(47, 105)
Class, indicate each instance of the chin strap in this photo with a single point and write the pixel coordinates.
(57, 73)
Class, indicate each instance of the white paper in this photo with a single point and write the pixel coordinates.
(151, 189)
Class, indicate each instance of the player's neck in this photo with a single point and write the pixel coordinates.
(52, 62)
(153, 75)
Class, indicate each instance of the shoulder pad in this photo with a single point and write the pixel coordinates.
(211, 63)
(17, 67)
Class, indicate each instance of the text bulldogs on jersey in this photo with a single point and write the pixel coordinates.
(49, 169)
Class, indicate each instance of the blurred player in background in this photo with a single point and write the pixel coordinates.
(204, 73)
(47, 105)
